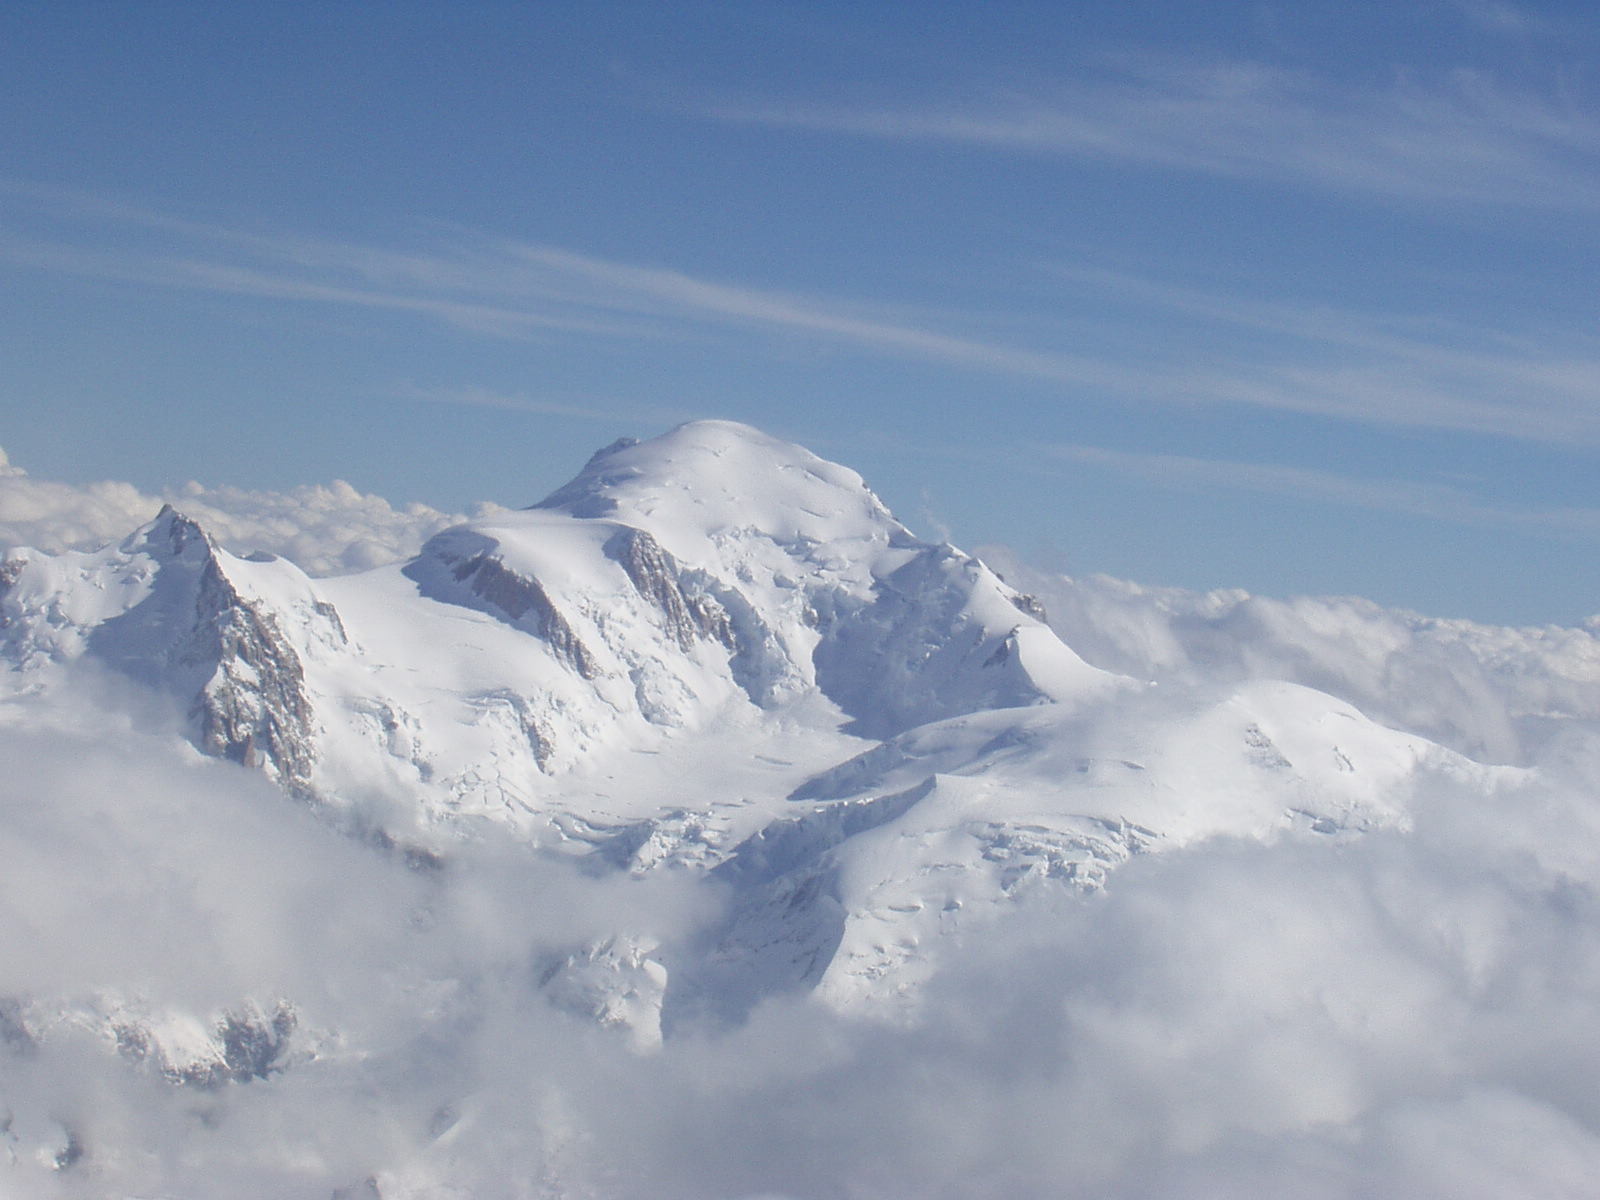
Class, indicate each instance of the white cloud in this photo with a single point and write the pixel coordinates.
(1402, 1014)
(1542, 384)
(1462, 139)
(325, 529)
(1494, 693)
(513, 289)
(480, 397)
(1497, 16)
(1376, 367)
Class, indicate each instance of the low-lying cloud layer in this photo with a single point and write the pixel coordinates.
(1398, 1014)
(1496, 694)
(324, 529)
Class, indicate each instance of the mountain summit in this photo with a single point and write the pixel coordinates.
(708, 477)
(716, 558)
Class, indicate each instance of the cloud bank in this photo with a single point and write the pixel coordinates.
(1496, 694)
(1399, 1014)
(324, 529)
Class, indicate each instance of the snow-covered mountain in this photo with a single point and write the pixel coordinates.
(712, 591)
(715, 660)
(711, 575)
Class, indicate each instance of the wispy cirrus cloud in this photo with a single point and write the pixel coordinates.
(503, 287)
(1350, 365)
(280, 270)
(1497, 16)
(1435, 501)
(1369, 366)
(471, 396)
(1463, 139)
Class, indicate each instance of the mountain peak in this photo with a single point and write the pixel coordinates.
(721, 557)
(171, 535)
(708, 476)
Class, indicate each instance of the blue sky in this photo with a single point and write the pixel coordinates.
(1292, 297)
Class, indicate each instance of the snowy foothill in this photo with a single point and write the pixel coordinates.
(702, 831)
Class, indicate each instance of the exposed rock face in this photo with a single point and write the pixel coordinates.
(690, 611)
(694, 606)
(252, 1043)
(195, 635)
(471, 559)
(1031, 605)
(254, 709)
(517, 596)
(243, 1044)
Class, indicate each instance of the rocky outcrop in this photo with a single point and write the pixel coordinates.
(1031, 605)
(696, 607)
(243, 1044)
(223, 656)
(689, 612)
(254, 709)
(460, 566)
(523, 599)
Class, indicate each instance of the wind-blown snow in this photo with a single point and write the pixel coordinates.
(702, 833)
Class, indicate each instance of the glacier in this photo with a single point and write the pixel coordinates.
(707, 782)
